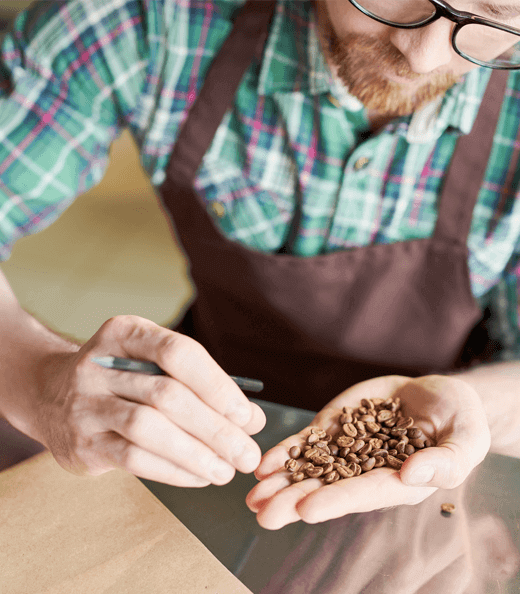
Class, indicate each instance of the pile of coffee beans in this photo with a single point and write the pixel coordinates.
(373, 435)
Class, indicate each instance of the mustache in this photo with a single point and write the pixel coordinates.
(362, 62)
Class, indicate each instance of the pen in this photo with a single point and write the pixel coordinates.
(151, 368)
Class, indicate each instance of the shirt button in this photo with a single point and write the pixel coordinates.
(361, 163)
(334, 101)
(218, 209)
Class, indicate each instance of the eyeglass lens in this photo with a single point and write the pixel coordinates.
(482, 43)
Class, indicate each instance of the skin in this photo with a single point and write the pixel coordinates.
(414, 66)
(392, 71)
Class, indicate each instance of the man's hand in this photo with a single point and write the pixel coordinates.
(447, 410)
(190, 428)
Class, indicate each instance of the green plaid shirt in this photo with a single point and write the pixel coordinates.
(74, 73)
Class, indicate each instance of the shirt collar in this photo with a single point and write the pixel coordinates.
(293, 62)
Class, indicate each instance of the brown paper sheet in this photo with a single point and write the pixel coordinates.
(64, 534)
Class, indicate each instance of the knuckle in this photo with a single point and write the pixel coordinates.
(161, 394)
(129, 457)
(177, 350)
(136, 422)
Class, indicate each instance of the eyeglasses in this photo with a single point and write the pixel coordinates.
(477, 39)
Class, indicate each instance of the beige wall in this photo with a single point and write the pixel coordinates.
(110, 253)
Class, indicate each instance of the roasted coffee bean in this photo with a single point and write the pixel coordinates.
(361, 410)
(376, 443)
(373, 427)
(363, 458)
(368, 419)
(391, 422)
(305, 465)
(409, 449)
(297, 477)
(392, 452)
(331, 477)
(377, 401)
(291, 465)
(386, 446)
(329, 467)
(316, 430)
(392, 443)
(321, 444)
(415, 433)
(345, 418)
(404, 423)
(360, 426)
(366, 449)
(313, 438)
(350, 430)
(315, 472)
(345, 441)
(295, 452)
(368, 464)
(348, 409)
(380, 461)
(356, 446)
(382, 436)
(404, 438)
(339, 460)
(306, 448)
(418, 444)
(343, 453)
(327, 437)
(384, 415)
(393, 462)
(352, 458)
(345, 472)
(447, 509)
(402, 457)
(312, 453)
(367, 403)
(428, 443)
(384, 431)
(333, 449)
(400, 447)
(382, 453)
(397, 432)
(357, 469)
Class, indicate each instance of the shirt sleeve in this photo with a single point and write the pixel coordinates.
(504, 307)
(70, 77)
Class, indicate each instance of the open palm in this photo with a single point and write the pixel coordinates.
(447, 410)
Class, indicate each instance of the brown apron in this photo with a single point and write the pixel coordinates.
(311, 327)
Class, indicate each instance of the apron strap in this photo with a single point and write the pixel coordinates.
(466, 171)
(246, 40)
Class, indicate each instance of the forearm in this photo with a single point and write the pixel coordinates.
(499, 388)
(26, 346)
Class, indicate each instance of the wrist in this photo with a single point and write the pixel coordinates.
(31, 356)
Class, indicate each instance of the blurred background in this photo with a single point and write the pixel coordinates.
(110, 253)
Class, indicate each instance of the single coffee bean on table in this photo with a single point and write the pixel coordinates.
(373, 435)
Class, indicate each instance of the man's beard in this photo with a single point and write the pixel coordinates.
(361, 61)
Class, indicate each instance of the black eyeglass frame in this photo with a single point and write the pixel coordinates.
(460, 18)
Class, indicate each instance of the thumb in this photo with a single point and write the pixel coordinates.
(445, 467)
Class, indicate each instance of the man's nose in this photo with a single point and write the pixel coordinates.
(426, 48)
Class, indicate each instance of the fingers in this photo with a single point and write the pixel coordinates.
(183, 410)
(147, 429)
(463, 440)
(147, 465)
(277, 502)
(181, 357)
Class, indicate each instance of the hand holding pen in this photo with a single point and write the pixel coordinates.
(187, 424)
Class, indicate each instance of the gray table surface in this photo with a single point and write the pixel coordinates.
(409, 549)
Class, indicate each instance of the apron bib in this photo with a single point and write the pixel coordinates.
(311, 327)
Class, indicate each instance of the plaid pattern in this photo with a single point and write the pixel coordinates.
(74, 73)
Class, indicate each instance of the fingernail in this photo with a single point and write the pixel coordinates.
(421, 476)
(241, 414)
(250, 459)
